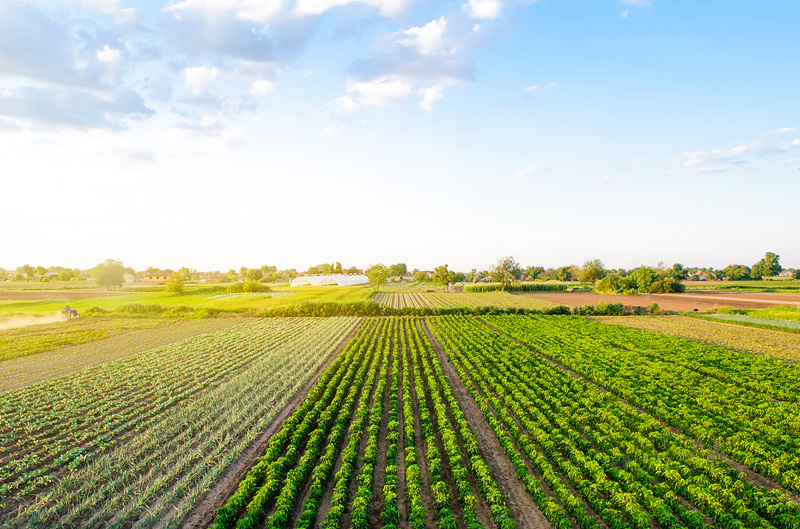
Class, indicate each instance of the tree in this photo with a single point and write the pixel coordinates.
(505, 271)
(377, 275)
(767, 267)
(40, 271)
(458, 277)
(232, 275)
(562, 274)
(421, 277)
(353, 270)
(398, 270)
(337, 269)
(532, 272)
(736, 272)
(797, 274)
(176, 283)
(66, 275)
(677, 272)
(109, 273)
(610, 284)
(186, 273)
(254, 275)
(243, 271)
(442, 276)
(645, 276)
(592, 271)
(27, 270)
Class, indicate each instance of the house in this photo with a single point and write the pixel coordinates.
(157, 276)
(428, 273)
(786, 273)
(130, 278)
(408, 278)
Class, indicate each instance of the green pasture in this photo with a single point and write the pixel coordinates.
(787, 285)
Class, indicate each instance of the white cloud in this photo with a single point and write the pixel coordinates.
(112, 8)
(639, 3)
(261, 11)
(430, 96)
(733, 155)
(334, 132)
(108, 55)
(624, 13)
(427, 40)
(262, 87)
(527, 171)
(10, 93)
(384, 91)
(388, 8)
(484, 9)
(785, 130)
(201, 79)
(536, 88)
(343, 105)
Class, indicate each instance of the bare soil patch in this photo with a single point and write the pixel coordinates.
(676, 302)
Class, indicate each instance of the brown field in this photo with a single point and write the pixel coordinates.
(676, 302)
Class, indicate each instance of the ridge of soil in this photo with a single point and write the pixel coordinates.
(520, 504)
(203, 514)
(757, 478)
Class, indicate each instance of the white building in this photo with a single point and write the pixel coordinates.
(330, 280)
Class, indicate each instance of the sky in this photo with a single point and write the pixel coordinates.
(216, 134)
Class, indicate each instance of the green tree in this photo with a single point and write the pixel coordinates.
(736, 272)
(66, 275)
(442, 276)
(398, 270)
(337, 269)
(421, 277)
(592, 271)
(109, 273)
(232, 275)
(458, 277)
(645, 276)
(532, 272)
(377, 275)
(254, 274)
(27, 270)
(797, 274)
(562, 274)
(40, 271)
(505, 271)
(769, 266)
(677, 272)
(176, 283)
(352, 270)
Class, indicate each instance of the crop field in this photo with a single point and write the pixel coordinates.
(404, 422)
(226, 385)
(755, 321)
(785, 346)
(502, 300)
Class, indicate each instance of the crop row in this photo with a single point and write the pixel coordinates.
(746, 406)
(345, 424)
(501, 300)
(62, 423)
(585, 455)
(161, 474)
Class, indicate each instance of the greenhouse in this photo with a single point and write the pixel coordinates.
(330, 280)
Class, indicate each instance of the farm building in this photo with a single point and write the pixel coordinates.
(157, 275)
(786, 273)
(329, 280)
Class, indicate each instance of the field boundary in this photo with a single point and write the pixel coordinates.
(203, 514)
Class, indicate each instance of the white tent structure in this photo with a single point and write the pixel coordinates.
(328, 280)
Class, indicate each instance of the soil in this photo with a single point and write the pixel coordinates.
(675, 302)
(756, 478)
(520, 504)
(206, 510)
(376, 504)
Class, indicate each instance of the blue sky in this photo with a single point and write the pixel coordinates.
(222, 133)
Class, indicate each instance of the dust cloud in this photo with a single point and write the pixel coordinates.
(26, 321)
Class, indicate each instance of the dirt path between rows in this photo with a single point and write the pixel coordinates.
(206, 510)
(520, 504)
(756, 478)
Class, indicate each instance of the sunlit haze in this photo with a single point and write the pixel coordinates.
(220, 133)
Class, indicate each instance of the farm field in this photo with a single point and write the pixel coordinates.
(673, 302)
(772, 344)
(125, 423)
(447, 421)
(776, 285)
(503, 300)
(49, 352)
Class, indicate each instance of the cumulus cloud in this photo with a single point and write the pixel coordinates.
(430, 96)
(76, 108)
(201, 80)
(112, 9)
(384, 91)
(536, 88)
(342, 105)
(387, 8)
(484, 9)
(427, 39)
(785, 130)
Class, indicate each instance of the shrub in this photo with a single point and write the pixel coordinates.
(654, 309)
(252, 286)
(236, 288)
